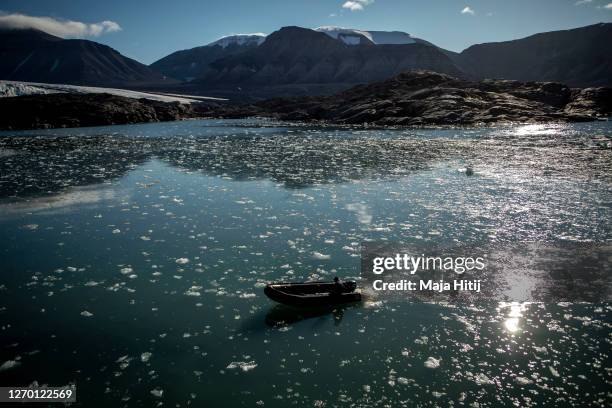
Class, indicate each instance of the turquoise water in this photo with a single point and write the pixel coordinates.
(134, 260)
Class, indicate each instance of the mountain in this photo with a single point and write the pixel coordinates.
(295, 55)
(579, 57)
(33, 55)
(189, 64)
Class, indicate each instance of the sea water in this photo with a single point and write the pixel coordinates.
(133, 261)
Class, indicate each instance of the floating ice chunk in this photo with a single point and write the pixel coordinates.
(422, 340)
(157, 392)
(116, 231)
(126, 270)
(403, 380)
(242, 365)
(542, 350)
(432, 362)
(7, 365)
(523, 380)
(320, 256)
(363, 214)
(144, 357)
(122, 359)
(193, 291)
(86, 313)
(553, 371)
(482, 379)
(30, 227)
(124, 362)
(182, 261)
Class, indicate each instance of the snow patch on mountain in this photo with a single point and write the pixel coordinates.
(353, 36)
(349, 36)
(239, 39)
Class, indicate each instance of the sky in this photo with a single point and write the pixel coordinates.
(149, 30)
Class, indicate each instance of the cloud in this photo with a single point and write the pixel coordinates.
(582, 2)
(608, 6)
(60, 28)
(356, 5)
(468, 10)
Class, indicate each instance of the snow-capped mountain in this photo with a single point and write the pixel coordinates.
(188, 65)
(296, 55)
(353, 36)
(239, 39)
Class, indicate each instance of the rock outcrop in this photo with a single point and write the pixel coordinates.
(428, 98)
(414, 98)
(76, 110)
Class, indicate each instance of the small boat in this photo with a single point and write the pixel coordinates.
(313, 294)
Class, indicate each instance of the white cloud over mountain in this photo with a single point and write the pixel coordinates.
(356, 5)
(60, 28)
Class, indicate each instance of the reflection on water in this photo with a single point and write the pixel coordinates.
(514, 313)
(281, 315)
(134, 260)
(62, 201)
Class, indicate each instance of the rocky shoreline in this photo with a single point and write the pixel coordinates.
(423, 98)
(414, 98)
(60, 110)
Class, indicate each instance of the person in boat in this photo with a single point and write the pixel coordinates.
(338, 287)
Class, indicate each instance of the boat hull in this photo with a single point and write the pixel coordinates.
(312, 294)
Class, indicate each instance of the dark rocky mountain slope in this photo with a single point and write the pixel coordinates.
(187, 65)
(35, 56)
(578, 57)
(295, 55)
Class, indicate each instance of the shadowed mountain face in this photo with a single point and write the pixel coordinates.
(294, 55)
(32, 55)
(187, 65)
(579, 57)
